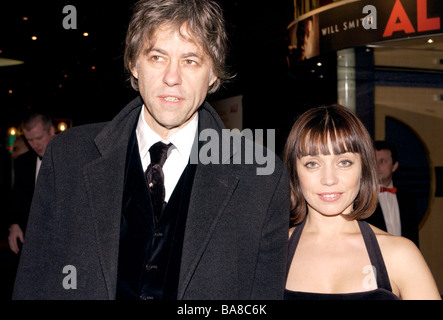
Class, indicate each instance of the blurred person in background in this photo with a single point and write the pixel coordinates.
(38, 130)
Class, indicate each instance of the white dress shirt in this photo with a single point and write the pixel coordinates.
(37, 168)
(179, 153)
(391, 212)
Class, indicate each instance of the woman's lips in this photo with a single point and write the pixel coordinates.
(330, 196)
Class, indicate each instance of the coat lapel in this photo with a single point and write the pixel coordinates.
(104, 182)
(203, 215)
(211, 181)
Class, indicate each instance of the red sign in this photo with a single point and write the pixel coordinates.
(399, 20)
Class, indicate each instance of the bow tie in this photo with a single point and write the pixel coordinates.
(391, 190)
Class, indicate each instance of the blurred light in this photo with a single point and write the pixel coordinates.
(25, 18)
(85, 34)
(12, 136)
(9, 62)
(62, 126)
(430, 40)
(34, 38)
(12, 131)
(93, 68)
(319, 64)
(10, 91)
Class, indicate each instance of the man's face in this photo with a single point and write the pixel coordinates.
(385, 167)
(304, 40)
(173, 79)
(38, 138)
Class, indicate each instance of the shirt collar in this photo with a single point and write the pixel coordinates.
(182, 139)
(391, 185)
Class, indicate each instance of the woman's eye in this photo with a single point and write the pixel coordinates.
(345, 163)
(310, 164)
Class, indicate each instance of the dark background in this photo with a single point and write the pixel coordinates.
(83, 79)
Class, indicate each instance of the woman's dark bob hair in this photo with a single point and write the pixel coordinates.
(311, 134)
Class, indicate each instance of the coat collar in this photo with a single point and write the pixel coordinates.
(116, 133)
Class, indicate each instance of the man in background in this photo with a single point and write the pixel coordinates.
(38, 130)
(395, 211)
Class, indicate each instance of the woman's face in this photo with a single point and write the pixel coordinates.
(330, 183)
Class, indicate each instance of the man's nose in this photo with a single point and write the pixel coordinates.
(172, 75)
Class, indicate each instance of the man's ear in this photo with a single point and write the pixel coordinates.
(52, 131)
(212, 78)
(395, 167)
(135, 69)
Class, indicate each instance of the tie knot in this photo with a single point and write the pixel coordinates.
(159, 153)
(391, 190)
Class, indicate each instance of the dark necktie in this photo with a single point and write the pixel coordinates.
(391, 190)
(155, 178)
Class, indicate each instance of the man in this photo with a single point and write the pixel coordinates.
(395, 212)
(306, 45)
(98, 231)
(38, 130)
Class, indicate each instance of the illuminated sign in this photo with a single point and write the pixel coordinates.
(352, 23)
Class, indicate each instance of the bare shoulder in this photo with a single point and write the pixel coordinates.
(399, 252)
(408, 271)
(395, 247)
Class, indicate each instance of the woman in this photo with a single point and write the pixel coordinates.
(333, 254)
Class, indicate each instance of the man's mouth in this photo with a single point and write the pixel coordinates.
(171, 99)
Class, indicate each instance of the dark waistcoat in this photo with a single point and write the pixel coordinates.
(150, 253)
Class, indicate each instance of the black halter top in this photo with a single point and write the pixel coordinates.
(384, 290)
